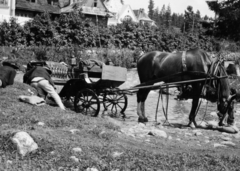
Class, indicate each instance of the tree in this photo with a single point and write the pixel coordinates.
(227, 18)
(167, 17)
(151, 9)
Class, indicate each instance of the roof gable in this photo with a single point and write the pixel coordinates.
(141, 15)
(93, 7)
(127, 10)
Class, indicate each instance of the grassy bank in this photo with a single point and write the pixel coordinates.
(103, 145)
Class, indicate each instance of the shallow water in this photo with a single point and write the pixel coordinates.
(178, 111)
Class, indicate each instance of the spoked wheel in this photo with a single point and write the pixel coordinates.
(87, 103)
(116, 103)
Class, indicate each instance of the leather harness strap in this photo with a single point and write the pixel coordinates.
(184, 64)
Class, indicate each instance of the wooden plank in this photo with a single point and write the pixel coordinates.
(114, 73)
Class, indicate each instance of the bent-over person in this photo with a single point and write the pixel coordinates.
(40, 78)
(7, 73)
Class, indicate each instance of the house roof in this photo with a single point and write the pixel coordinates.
(85, 9)
(141, 15)
(41, 6)
(123, 9)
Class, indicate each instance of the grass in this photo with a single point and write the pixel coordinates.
(98, 138)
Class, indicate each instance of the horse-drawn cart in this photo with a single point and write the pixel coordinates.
(92, 85)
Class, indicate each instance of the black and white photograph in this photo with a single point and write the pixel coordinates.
(119, 85)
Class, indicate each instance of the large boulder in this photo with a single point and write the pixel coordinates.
(24, 142)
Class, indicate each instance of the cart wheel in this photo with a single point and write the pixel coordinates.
(87, 102)
(115, 102)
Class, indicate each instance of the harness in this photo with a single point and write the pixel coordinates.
(212, 72)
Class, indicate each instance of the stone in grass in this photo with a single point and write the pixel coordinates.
(230, 143)
(198, 133)
(91, 169)
(40, 124)
(77, 150)
(215, 145)
(74, 159)
(158, 133)
(116, 154)
(24, 142)
(226, 138)
(73, 131)
(9, 162)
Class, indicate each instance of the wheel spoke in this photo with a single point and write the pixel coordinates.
(108, 105)
(112, 107)
(120, 106)
(93, 108)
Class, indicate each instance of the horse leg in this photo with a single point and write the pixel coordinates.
(141, 98)
(197, 92)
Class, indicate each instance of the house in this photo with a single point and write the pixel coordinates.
(120, 12)
(7, 10)
(93, 9)
(7, 7)
(143, 17)
(30, 8)
(124, 12)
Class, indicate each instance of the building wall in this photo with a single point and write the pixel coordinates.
(24, 13)
(102, 21)
(20, 20)
(7, 7)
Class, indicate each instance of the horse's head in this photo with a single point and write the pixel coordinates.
(218, 89)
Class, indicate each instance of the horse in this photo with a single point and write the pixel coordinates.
(188, 65)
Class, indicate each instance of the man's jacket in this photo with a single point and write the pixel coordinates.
(7, 75)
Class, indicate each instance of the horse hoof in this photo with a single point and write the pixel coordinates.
(142, 120)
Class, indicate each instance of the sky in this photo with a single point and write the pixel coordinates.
(177, 6)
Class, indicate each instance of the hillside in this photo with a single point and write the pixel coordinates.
(103, 144)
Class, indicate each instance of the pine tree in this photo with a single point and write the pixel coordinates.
(168, 17)
(151, 9)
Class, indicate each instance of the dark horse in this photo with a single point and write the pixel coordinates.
(182, 66)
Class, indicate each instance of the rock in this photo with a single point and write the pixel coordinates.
(237, 136)
(213, 123)
(198, 133)
(213, 114)
(215, 145)
(40, 124)
(169, 137)
(202, 124)
(77, 150)
(158, 133)
(116, 154)
(74, 159)
(178, 139)
(9, 162)
(188, 134)
(73, 131)
(91, 169)
(228, 143)
(24, 142)
(226, 138)
(207, 141)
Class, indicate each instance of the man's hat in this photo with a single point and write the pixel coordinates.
(11, 64)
